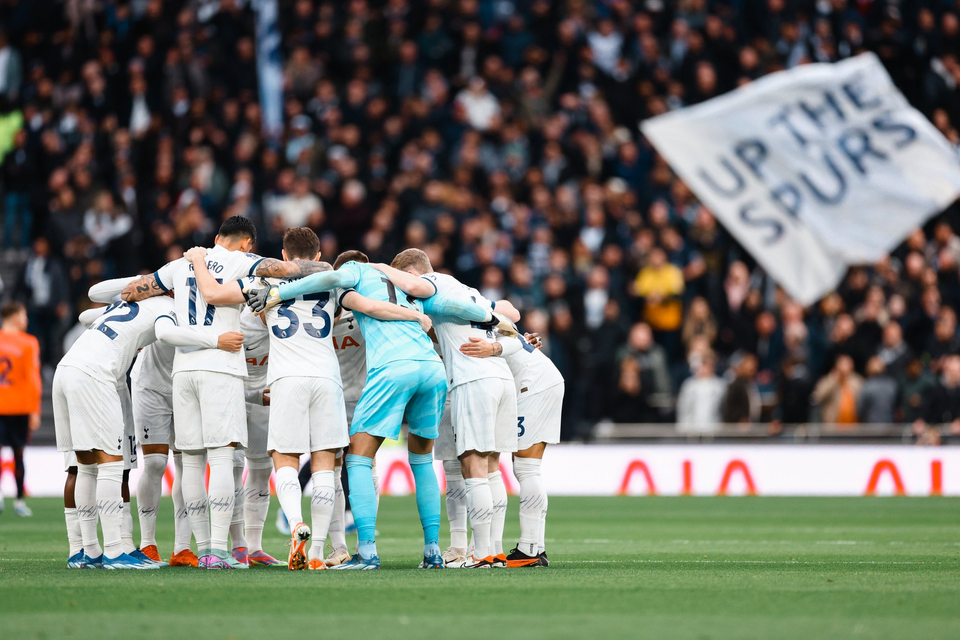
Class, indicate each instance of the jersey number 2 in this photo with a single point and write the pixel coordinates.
(132, 309)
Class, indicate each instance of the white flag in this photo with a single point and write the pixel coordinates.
(812, 169)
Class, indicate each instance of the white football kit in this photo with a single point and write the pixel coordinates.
(445, 446)
(256, 345)
(89, 411)
(208, 399)
(352, 355)
(539, 396)
(483, 397)
(151, 388)
(306, 394)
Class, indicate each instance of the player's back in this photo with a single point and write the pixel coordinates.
(532, 370)
(19, 373)
(153, 368)
(351, 354)
(453, 332)
(107, 349)
(301, 341)
(193, 310)
(388, 341)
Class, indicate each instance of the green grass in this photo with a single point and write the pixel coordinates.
(621, 567)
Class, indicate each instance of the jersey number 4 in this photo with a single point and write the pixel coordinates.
(284, 311)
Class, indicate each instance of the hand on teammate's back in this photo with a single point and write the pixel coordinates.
(230, 341)
(259, 300)
(194, 254)
(425, 322)
(533, 339)
(477, 348)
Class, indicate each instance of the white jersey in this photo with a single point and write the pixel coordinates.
(106, 350)
(533, 371)
(256, 345)
(352, 354)
(193, 311)
(453, 332)
(154, 368)
(301, 338)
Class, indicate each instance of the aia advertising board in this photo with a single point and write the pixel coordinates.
(666, 470)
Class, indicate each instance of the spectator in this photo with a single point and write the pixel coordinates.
(42, 288)
(741, 402)
(700, 398)
(698, 322)
(17, 177)
(916, 388)
(633, 393)
(660, 284)
(793, 392)
(651, 356)
(944, 403)
(894, 352)
(837, 393)
(878, 398)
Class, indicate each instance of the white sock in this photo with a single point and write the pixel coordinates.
(181, 525)
(498, 492)
(321, 510)
(533, 504)
(85, 495)
(256, 504)
(543, 524)
(149, 488)
(237, 538)
(74, 537)
(126, 530)
(221, 495)
(290, 495)
(456, 503)
(195, 497)
(480, 514)
(110, 506)
(336, 533)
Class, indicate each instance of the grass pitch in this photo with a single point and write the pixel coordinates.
(621, 567)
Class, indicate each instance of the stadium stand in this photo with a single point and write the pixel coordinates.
(501, 137)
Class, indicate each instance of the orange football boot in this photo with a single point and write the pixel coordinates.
(316, 565)
(151, 552)
(185, 558)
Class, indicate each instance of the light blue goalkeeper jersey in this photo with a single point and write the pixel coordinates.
(386, 341)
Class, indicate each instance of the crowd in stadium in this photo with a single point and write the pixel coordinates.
(502, 138)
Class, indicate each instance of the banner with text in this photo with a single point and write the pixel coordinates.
(812, 169)
(669, 470)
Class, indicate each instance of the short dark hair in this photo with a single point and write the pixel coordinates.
(301, 242)
(350, 256)
(11, 309)
(412, 259)
(238, 226)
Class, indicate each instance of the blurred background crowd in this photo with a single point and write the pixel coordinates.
(501, 136)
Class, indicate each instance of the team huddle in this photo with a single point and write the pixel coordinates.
(242, 361)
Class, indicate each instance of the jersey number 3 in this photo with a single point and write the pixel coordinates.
(284, 311)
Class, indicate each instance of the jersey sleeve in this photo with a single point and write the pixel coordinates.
(164, 275)
(250, 262)
(432, 279)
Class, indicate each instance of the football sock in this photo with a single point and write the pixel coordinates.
(456, 503)
(363, 502)
(221, 495)
(256, 502)
(533, 503)
(321, 510)
(110, 506)
(85, 496)
(543, 524)
(428, 500)
(376, 483)
(498, 491)
(195, 497)
(290, 495)
(126, 529)
(74, 537)
(149, 488)
(181, 524)
(338, 538)
(237, 538)
(480, 514)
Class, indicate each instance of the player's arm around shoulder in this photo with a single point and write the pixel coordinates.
(480, 348)
(410, 284)
(383, 310)
(290, 269)
(142, 288)
(213, 292)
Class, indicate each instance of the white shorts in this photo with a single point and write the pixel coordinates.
(87, 413)
(69, 460)
(258, 421)
(306, 415)
(129, 430)
(445, 447)
(152, 416)
(208, 410)
(484, 414)
(538, 417)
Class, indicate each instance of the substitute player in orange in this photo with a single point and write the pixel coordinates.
(19, 391)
